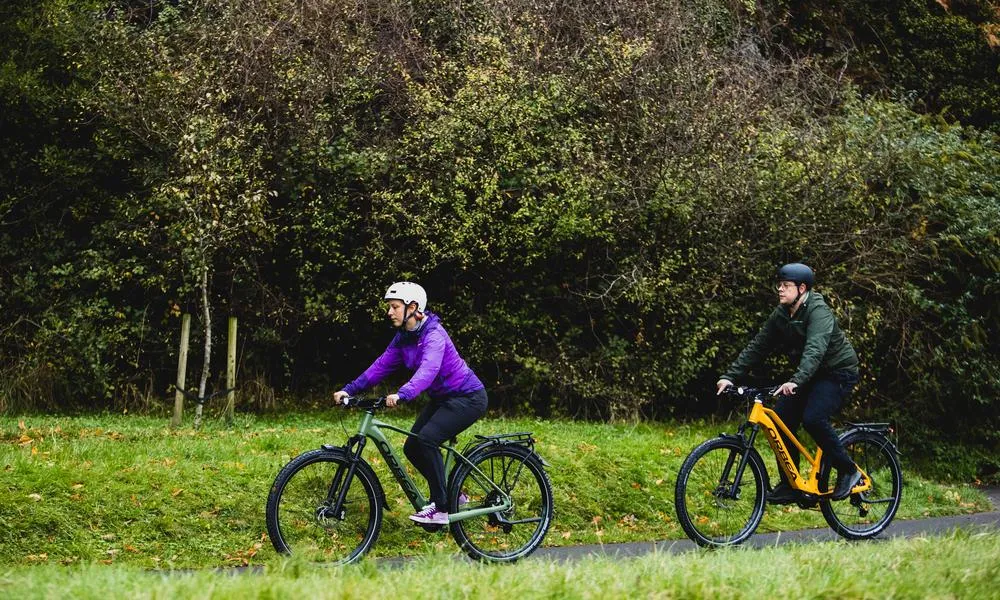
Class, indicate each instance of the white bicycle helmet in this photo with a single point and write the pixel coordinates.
(407, 292)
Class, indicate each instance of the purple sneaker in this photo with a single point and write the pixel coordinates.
(463, 498)
(430, 515)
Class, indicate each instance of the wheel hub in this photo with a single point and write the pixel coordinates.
(494, 499)
(325, 514)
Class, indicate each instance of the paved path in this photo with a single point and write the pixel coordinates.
(898, 528)
(931, 526)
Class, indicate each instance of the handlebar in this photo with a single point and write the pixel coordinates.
(364, 403)
(749, 392)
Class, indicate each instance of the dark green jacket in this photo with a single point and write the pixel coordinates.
(811, 337)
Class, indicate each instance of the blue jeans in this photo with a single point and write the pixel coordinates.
(441, 420)
(812, 408)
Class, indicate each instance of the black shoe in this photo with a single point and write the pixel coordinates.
(845, 483)
(783, 494)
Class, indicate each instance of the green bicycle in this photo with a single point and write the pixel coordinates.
(326, 504)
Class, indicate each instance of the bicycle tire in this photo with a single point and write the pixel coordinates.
(299, 495)
(866, 514)
(707, 516)
(512, 534)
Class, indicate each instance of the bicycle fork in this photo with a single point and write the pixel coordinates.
(733, 490)
(337, 492)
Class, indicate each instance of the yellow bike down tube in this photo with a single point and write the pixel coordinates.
(772, 423)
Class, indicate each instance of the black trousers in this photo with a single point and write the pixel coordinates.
(812, 408)
(441, 420)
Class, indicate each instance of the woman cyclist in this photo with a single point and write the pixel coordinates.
(457, 396)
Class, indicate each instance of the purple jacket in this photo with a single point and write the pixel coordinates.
(430, 353)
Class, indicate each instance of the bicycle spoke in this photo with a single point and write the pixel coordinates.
(303, 520)
(708, 509)
(508, 476)
(868, 513)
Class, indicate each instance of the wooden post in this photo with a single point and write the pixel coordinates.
(231, 372)
(181, 371)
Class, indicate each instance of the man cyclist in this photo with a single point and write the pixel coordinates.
(803, 326)
(457, 397)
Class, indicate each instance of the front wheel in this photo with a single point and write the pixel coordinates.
(712, 506)
(302, 516)
(865, 514)
(507, 535)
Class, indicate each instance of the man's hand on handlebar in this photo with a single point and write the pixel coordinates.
(786, 389)
(722, 385)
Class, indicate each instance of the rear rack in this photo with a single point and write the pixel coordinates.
(523, 437)
(879, 427)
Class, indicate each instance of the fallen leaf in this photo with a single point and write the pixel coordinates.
(35, 497)
(177, 492)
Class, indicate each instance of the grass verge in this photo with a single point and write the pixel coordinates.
(129, 490)
(959, 565)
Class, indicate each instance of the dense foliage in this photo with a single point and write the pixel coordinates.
(595, 194)
(944, 53)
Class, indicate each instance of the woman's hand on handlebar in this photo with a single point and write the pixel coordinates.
(391, 400)
(338, 397)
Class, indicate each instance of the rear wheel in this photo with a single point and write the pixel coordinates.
(502, 536)
(865, 514)
(301, 516)
(712, 511)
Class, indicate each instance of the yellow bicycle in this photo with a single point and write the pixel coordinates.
(722, 485)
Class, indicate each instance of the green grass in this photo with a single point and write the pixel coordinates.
(128, 490)
(958, 565)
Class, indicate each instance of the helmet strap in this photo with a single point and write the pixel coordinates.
(406, 316)
(795, 305)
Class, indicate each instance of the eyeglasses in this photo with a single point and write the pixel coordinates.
(785, 284)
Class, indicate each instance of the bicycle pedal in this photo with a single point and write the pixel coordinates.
(808, 502)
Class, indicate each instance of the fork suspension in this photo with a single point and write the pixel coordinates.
(741, 467)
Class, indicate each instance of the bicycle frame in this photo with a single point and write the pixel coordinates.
(371, 428)
(763, 417)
